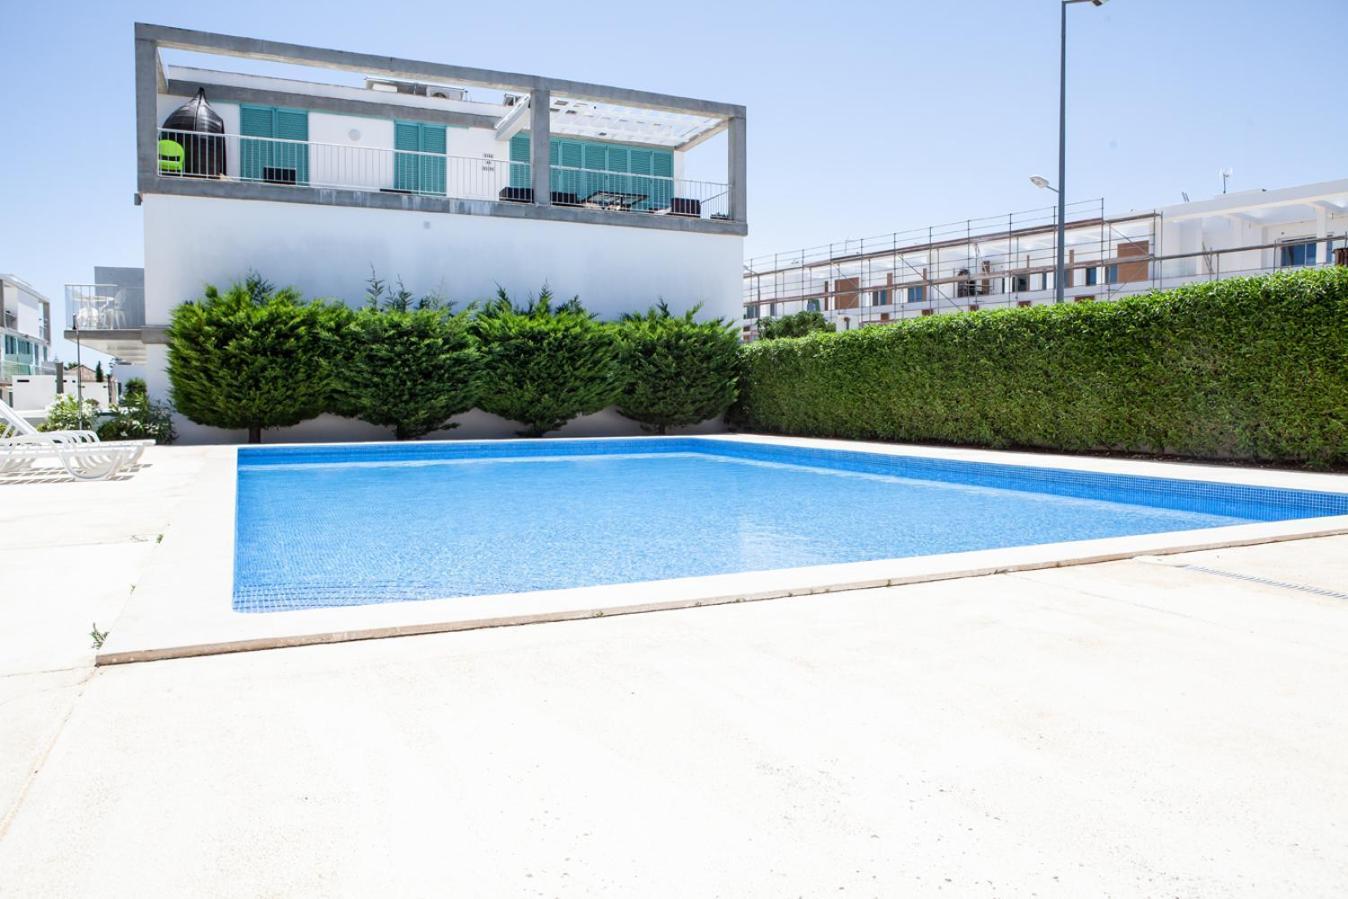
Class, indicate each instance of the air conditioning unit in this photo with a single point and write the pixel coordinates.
(416, 89)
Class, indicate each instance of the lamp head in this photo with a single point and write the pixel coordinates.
(1040, 182)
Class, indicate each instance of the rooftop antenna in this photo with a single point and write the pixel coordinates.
(1185, 195)
(1226, 178)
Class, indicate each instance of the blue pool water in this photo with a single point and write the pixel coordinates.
(349, 525)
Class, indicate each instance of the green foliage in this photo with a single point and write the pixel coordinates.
(1246, 368)
(66, 414)
(139, 418)
(678, 371)
(545, 366)
(98, 372)
(251, 357)
(795, 325)
(133, 387)
(412, 369)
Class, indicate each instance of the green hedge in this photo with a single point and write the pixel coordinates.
(679, 371)
(1246, 368)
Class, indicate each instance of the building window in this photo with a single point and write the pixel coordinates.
(879, 298)
(917, 294)
(281, 155)
(1092, 276)
(420, 169)
(1020, 283)
(811, 305)
(751, 312)
(1112, 274)
(1294, 254)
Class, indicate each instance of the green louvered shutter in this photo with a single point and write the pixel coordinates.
(433, 166)
(594, 157)
(570, 179)
(641, 182)
(662, 180)
(521, 172)
(619, 160)
(254, 155)
(406, 136)
(292, 125)
(415, 169)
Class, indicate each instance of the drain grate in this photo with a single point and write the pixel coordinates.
(1269, 582)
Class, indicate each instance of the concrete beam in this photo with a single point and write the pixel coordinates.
(737, 168)
(147, 113)
(203, 187)
(513, 122)
(540, 145)
(420, 70)
(340, 105)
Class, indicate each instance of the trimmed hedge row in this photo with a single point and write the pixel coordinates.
(1246, 368)
(255, 357)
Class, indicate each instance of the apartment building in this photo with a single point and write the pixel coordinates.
(25, 333)
(1010, 260)
(454, 179)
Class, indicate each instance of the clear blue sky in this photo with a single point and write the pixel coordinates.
(864, 118)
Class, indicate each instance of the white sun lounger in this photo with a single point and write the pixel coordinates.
(80, 453)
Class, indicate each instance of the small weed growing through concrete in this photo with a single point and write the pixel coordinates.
(98, 636)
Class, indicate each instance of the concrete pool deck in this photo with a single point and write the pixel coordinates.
(183, 602)
(1155, 726)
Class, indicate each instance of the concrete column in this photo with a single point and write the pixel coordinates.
(540, 142)
(737, 168)
(147, 113)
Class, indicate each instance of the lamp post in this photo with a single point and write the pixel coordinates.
(1060, 272)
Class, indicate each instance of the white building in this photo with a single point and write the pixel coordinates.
(25, 334)
(454, 179)
(1010, 260)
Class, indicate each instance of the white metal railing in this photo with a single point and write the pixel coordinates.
(105, 307)
(314, 164)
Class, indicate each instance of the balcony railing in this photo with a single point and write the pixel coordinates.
(317, 165)
(21, 365)
(105, 307)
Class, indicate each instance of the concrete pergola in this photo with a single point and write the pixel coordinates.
(731, 118)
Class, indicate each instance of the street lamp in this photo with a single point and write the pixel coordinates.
(1060, 273)
(1042, 183)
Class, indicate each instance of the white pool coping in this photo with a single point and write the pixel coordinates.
(182, 605)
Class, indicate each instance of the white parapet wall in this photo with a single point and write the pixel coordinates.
(329, 251)
(37, 392)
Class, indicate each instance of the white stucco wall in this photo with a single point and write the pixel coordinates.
(328, 251)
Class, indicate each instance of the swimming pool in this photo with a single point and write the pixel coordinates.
(377, 523)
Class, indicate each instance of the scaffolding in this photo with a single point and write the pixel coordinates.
(957, 266)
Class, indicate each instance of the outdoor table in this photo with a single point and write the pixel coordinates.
(614, 199)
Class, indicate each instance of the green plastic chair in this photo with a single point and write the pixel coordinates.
(171, 157)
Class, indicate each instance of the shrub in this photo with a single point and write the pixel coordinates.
(251, 357)
(678, 371)
(67, 414)
(795, 325)
(134, 387)
(1248, 368)
(545, 366)
(412, 370)
(139, 418)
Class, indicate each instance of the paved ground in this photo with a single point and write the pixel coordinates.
(1153, 727)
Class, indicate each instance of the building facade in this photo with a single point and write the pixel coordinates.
(1011, 260)
(25, 334)
(455, 180)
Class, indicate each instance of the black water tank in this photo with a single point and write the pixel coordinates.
(203, 154)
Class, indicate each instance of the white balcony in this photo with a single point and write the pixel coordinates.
(311, 165)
